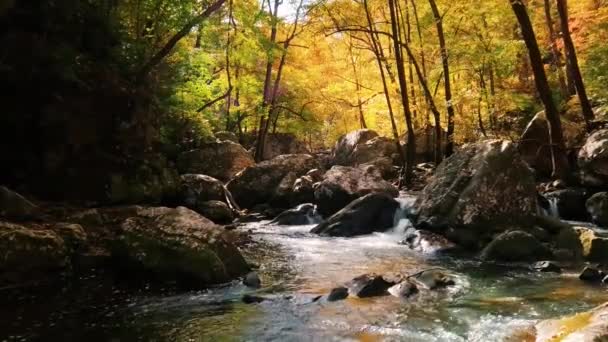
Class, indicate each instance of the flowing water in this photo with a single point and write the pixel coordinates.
(488, 302)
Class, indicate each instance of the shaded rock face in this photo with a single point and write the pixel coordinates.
(371, 213)
(483, 185)
(341, 185)
(221, 160)
(14, 206)
(301, 215)
(217, 211)
(342, 153)
(27, 253)
(515, 246)
(178, 244)
(593, 159)
(534, 144)
(194, 189)
(283, 143)
(597, 207)
(586, 326)
(271, 181)
(570, 203)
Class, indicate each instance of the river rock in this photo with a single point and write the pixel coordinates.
(338, 293)
(369, 285)
(593, 159)
(591, 274)
(588, 326)
(221, 160)
(570, 203)
(426, 242)
(346, 144)
(371, 213)
(404, 289)
(195, 189)
(216, 211)
(252, 280)
(515, 246)
(178, 245)
(597, 206)
(483, 185)
(435, 279)
(30, 253)
(342, 184)
(301, 215)
(534, 144)
(271, 181)
(547, 266)
(16, 207)
(595, 248)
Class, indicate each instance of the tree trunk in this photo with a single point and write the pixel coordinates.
(557, 64)
(562, 8)
(560, 162)
(449, 149)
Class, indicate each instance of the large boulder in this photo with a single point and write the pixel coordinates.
(534, 143)
(283, 143)
(271, 181)
(14, 206)
(597, 207)
(593, 159)
(515, 246)
(30, 253)
(221, 160)
(485, 185)
(178, 245)
(217, 211)
(342, 184)
(369, 151)
(371, 213)
(195, 190)
(342, 153)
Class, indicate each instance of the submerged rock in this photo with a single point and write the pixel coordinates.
(368, 285)
(593, 159)
(371, 213)
(338, 293)
(341, 185)
(597, 206)
(515, 246)
(221, 160)
(178, 245)
(301, 215)
(485, 184)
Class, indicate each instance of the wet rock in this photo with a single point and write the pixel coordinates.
(435, 279)
(426, 242)
(593, 159)
(368, 285)
(252, 299)
(591, 274)
(597, 206)
(342, 153)
(404, 289)
(534, 144)
(515, 246)
(546, 266)
(371, 213)
(221, 160)
(216, 211)
(30, 253)
(252, 280)
(178, 245)
(16, 207)
(339, 293)
(485, 184)
(595, 248)
(341, 185)
(271, 181)
(301, 215)
(570, 203)
(585, 326)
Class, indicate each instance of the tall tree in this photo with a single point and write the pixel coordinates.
(449, 148)
(562, 8)
(557, 63)
(560, 163)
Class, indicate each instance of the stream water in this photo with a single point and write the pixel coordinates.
(488, 302)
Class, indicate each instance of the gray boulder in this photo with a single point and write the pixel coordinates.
(342, 153)
(515, 246)
(593, 159)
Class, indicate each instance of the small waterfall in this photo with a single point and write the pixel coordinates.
(553, 210)
(401, 221)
